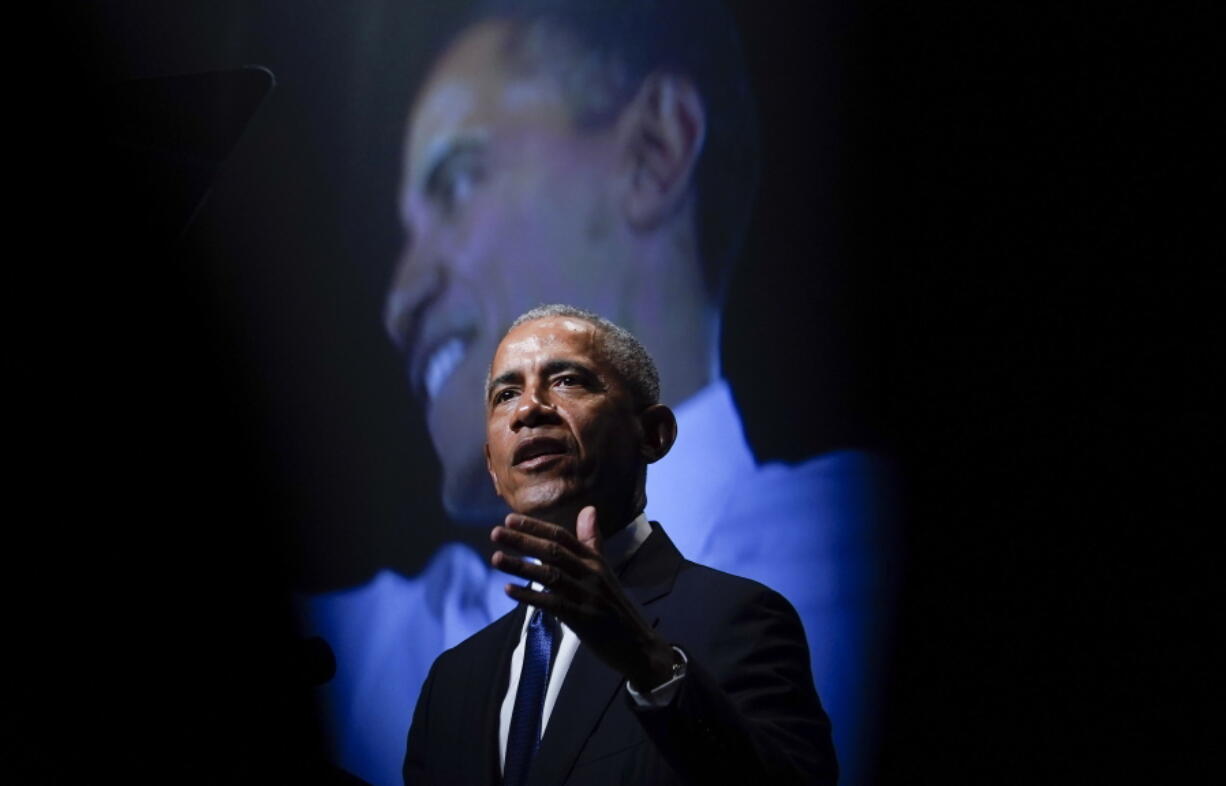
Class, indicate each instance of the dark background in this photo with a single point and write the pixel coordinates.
(982, 243)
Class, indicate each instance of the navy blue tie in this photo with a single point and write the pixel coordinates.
(525, 734)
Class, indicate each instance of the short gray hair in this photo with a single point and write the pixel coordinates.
(618, 346)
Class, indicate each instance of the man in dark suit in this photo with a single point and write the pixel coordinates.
(624, 662)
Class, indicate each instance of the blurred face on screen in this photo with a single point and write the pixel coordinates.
(505, 206)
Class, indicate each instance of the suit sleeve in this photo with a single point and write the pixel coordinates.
(747, 711)
(416, 758)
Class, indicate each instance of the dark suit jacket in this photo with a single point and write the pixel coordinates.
(746, 713)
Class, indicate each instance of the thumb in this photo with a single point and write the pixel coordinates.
(587, 531)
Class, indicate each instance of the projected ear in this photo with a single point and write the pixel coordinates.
(661, 132)
(659, 432)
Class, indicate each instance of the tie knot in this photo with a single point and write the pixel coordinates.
(543, 626)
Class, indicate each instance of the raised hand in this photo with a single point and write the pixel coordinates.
(583, 592)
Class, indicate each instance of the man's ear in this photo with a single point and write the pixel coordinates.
(659, 432)
(660, 134)
(489, 467)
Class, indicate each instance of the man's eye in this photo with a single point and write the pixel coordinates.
(456, 191)
(506, 394)
(452, 184)
(568, 380)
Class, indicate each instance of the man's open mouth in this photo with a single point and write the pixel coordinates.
(439, 365)
(537, 450)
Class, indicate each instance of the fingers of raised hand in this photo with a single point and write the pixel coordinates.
(550, 552)
(555, 603)
(548, 575)
(547, 531)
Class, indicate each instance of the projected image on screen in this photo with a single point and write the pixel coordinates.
(602, 156)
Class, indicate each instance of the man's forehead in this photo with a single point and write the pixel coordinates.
(472, 88)
(542, 338)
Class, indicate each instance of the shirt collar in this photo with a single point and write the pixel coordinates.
(623, 544)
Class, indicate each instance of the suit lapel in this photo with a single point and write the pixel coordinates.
(589, 688)
(650, 573)
(590, 685)
(484, 704)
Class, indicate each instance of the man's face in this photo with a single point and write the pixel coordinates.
(561, 430)
(505, 206)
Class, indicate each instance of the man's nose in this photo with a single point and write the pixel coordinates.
(535, 408)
